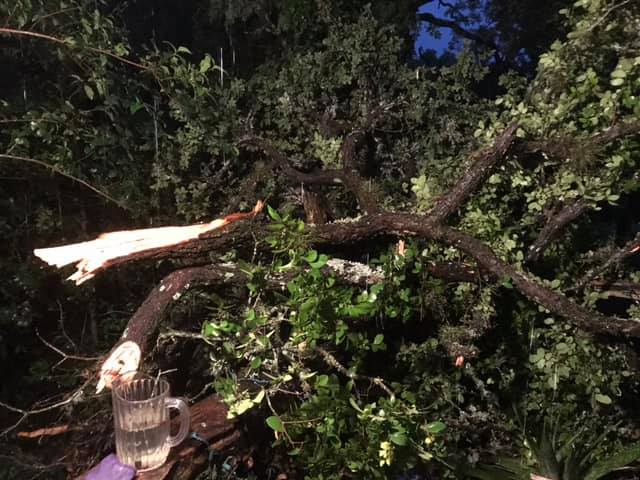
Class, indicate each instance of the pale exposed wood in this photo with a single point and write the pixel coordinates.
(95, 255)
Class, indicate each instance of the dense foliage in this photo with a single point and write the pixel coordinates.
(111, 121)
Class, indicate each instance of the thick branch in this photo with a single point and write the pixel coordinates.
(563, 147)
(141, 329)
(554, 226)
(621, 289)
(482, 163)
(616, 132)
(407, 224)
(350, 179)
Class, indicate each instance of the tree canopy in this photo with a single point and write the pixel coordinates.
(444, 283)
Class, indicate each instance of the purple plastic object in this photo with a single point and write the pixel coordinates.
(111, 469)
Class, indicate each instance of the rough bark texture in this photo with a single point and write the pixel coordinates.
(429, 227)
(619, 256)
(482, 163)
(144, 323)
(412, 225)
(628, 290)
(554, 226)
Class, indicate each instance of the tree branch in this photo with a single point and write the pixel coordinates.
(561, 147)
(403, 224)
(55, 169)
(333, 362)
(483, 162)
(629, 249)
(621, 289)
(463, 32)
(12, 31)
(554, 226)
(350, 179)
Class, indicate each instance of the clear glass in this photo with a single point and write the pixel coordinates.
(142, 422)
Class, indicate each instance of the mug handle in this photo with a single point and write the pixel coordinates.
(185, 420)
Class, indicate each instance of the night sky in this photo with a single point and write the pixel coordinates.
(425, 40)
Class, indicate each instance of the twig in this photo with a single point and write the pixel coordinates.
(45, 432)
(12, 31)
(65, 356)
(553, 227)
(629, 249)
(284, 430)
(606, 14)
(53, 14)
(28, 464)
(64, 174)
(332, 361)
(61, 323)
(72, 398)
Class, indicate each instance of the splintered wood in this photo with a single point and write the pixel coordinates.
(95, 255)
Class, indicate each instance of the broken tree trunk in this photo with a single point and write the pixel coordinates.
(96, 255)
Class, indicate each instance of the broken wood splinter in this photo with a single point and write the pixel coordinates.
(95, 255)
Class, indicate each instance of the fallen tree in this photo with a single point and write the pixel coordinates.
(199, 240)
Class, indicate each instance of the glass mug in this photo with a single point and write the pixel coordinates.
(142, 422)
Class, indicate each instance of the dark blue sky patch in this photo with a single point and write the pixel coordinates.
(425, 40)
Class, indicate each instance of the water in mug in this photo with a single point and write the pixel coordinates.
(143, 443)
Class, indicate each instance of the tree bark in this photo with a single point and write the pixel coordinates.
(554, 226)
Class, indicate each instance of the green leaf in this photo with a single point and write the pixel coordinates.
(275, 423)
(273, 213)
(506, 283)
(312, 256)
(88, 92)
(436, 427)
(399, 438)
(378, 339)
(241, 407)
(322, 381)
(205, 64)
(135, 106)
(604, 399)
(321, 262)
(255, 363)
(616, 82)
(618, 460)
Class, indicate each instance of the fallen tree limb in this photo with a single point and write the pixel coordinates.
(415, 225)
(127, 353)
(621, 289)
(629, 249)
(483, 162)
(104, 251)
(554, 226)
(346, 177)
